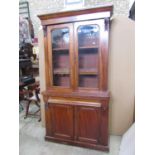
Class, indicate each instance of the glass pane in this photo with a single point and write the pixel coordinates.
(88, 35)
(60, 38)
(88, 41)
(60, 57)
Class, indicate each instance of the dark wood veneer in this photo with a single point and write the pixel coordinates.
(76, 12)
(76, 96)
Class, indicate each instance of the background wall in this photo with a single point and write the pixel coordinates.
(121, 7)
(121, 74)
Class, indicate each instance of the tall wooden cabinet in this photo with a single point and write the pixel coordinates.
(76, 60)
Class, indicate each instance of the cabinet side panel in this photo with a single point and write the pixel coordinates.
(46, 57)
(48, 118)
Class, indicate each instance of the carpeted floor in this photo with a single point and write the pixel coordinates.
(31, 141)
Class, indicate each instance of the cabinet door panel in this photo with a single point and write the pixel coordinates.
(87, 124)
(62, 121)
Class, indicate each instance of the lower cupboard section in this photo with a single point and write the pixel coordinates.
(80, 125)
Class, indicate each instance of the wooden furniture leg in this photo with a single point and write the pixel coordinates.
(27, 109)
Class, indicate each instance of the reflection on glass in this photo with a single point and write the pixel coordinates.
(88, 35)
(60, 57)
(88, 41)
(60, 38)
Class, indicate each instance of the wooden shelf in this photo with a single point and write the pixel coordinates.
(61, 71)
(88, 47)
(88, 72)
(81, 71)
(61, 49)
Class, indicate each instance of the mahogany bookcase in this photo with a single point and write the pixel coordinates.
(76, 63)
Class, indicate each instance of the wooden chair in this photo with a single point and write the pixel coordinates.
(32, 96)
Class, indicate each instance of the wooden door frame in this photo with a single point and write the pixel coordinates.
(102, 66)
(49, 67)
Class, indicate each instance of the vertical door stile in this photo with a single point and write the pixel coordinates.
(75, 56)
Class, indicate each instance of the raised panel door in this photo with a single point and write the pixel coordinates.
(61, 121)
(87, 124)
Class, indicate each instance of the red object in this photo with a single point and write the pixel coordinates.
(35, 40)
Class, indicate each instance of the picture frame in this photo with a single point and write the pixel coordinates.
(74, 3)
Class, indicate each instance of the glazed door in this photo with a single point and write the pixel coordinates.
(60, 56)
(88, 49)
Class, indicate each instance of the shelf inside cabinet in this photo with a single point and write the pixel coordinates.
(61, 71)
(88, 47)
(61, 49)
(88, 81)
(62, 80)
(88, 72)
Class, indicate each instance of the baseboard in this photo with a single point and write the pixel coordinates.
(78, 143)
